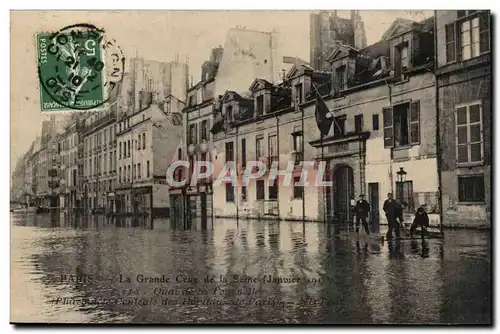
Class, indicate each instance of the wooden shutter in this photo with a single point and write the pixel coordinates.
(484, 32)
(415, 122)
(195, 134)
(388, 127)
(450, 43)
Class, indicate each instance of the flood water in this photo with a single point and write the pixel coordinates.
(67, 270)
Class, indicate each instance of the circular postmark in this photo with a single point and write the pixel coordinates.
(78, 68)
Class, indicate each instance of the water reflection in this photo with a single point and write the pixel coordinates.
(307, 273)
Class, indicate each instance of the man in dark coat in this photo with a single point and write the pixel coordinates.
(361, 210)
(391, 209)
(421, 219)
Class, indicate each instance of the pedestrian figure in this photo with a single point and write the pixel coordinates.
(391, 209)
(421, 219)
(362, 209)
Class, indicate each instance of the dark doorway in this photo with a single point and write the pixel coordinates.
(343, 190)
(373, 199)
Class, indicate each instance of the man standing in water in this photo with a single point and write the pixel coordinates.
(361, 210)
(391, 212)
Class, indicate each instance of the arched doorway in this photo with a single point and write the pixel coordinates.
(343, 190)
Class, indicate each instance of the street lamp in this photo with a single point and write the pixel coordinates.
(204, 146)
(191, 150)
(401, 174)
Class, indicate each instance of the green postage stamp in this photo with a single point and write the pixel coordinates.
(78, 68)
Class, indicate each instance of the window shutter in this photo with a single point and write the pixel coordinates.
(195, 133)
(201, 130)
(207, 130)
(458, 43)
(415, 123)
(450, 43)
(484, 32)
(388, 127)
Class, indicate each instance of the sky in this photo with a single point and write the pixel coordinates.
(155, 35)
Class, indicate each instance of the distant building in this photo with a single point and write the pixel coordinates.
(147, 142)
(98, 133)
(327, 30)
(68, 153)
(160, 78)
(464, 78)
(246, 55)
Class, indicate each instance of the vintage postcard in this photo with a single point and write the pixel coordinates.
(251, 167)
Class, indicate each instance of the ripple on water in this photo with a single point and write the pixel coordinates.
(357, 280)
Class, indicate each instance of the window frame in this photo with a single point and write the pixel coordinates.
(358, 119)
(229, 193)
(340, 81)
(298, 190)
(257, 192)
(462, 200)
(468, 125)
(377, 122)
(229, 148)
(455, 42)
(273, 189)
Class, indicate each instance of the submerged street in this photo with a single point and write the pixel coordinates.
(74, 270)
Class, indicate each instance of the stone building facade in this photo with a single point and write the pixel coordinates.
(464, 88)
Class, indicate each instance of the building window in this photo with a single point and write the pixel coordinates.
(229, 151)
(204, 130)
(243, 193)
(298, 189)
(404, 57)
(144, 141)
(128, 148)
(273, 189)
(147, 168)
(128, 174)
(298, 146)
(358, 123)
(340, 77)
(260, 192)
(229, 192)
(471, 188)
(260, 105)
(469, 121)
(469, 37)
(229, 114)
(139, 171)
(404, 193)
(272, 142)
(299, 94)
(339, 126)
(192, 100)
(450, 43)
(119, 174)
(243, 153)
(375, 121)
(259, 147)
(402, 125)
(139, 142)
(193, 134)
(120, 150)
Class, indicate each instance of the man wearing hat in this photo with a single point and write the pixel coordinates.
(362, 209)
